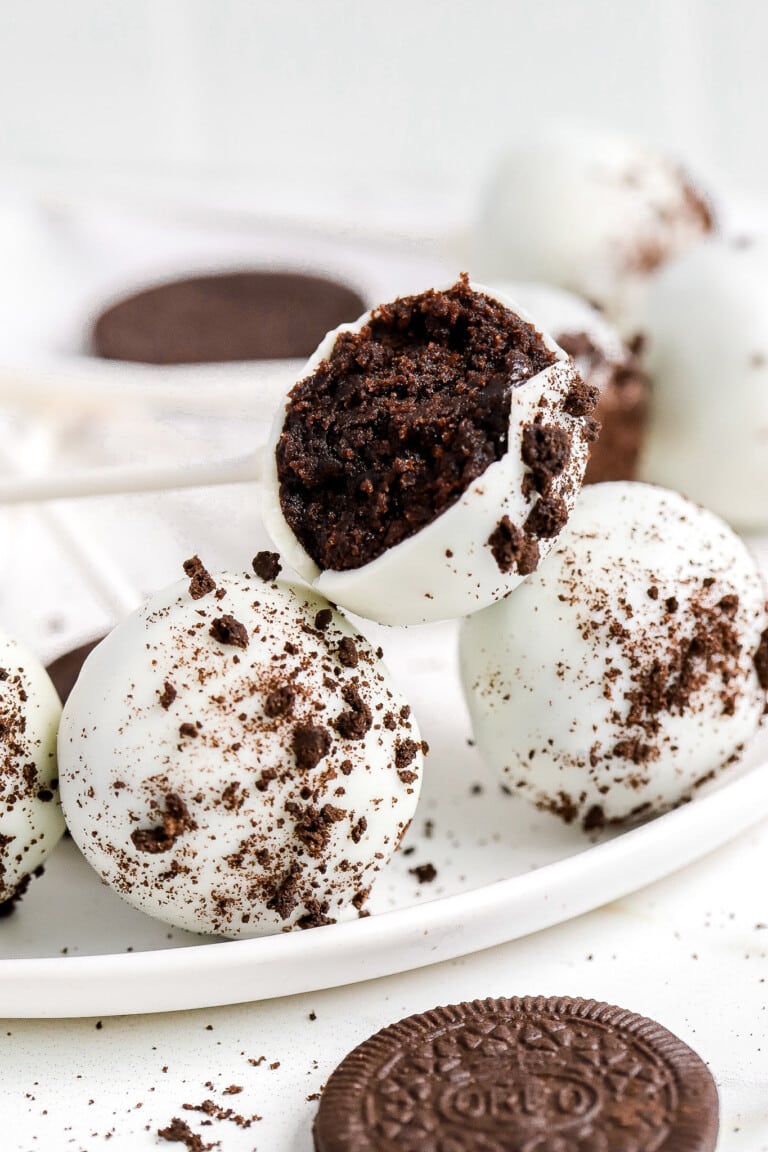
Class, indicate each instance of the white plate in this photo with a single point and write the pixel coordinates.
(503, 870)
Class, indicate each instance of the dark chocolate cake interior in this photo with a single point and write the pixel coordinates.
(400, 419)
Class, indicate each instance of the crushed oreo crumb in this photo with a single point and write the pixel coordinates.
(200, 580)
(512, 549)
(176, 820)
(227, 630)
(267, 566)
(311, 743)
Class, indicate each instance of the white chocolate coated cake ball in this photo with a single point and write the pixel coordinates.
(706, 323)
(235, 758)
(429, 456)
(31, 821)
(630, 668)
(596, 214)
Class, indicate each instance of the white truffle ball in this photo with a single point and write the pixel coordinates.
(593, 213)
(628, 669)
(499, 525)
(706, 322)
(235, 758)
(31, 821)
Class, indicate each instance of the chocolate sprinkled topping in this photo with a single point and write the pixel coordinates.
(187, 729)
(582, 398)
(168, 695)
(201, 581)
(279, 702)
(176, 820)
(227, 630)
(424, 873)
(310, 743)
(316, 915)
(547, 518)
(358, 829)
(405, 753)
(354, 724)
(314, 826)
(511, 548)
(323, 619)
(179, 1132)
(267, 565)
(546, 450)
(391, 429)
(347, 652)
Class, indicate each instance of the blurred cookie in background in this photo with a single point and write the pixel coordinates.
(247, 315)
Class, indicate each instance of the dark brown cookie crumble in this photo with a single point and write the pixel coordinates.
(620, 403)
(403, 416)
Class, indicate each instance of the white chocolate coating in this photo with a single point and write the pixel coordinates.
(31, 821)
(706, 322)
(618, 677)
(592, 213)
(447, 569)
(195, 807)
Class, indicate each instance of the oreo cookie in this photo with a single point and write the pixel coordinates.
(65, 670)
(520, 1075)
(230, 316)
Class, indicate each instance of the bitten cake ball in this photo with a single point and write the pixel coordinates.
(235, 758)
(429, 457)
(605, 363)
(31, 822)
(630, 668)
(592, 213)
(707, 326)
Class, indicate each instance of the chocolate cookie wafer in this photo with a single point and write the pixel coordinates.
(231, 316)
(65, 669)
(520, 1075)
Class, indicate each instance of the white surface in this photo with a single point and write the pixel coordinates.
(294, 102)
(690, 951)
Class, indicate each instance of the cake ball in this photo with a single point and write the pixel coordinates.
(630, 668)
(706, 321)
(235, 758)
(607, 364)
(593, 213)
(31, 821)
(429, 456)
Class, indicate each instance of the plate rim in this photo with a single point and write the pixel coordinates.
(443, 928)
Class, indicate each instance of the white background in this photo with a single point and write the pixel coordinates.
(299, 101)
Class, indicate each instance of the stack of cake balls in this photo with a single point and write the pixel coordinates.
(234, 757)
